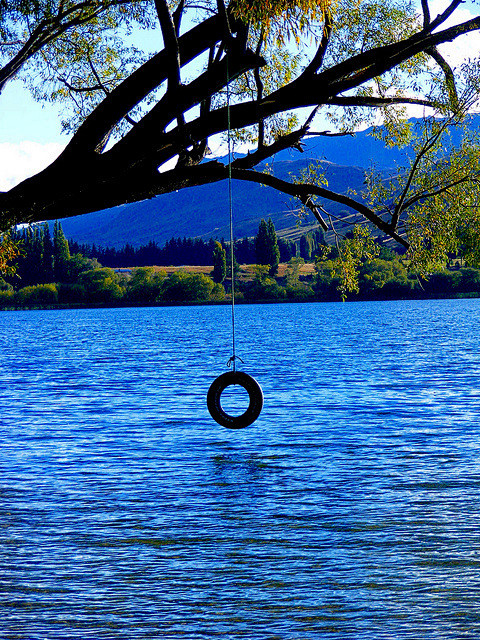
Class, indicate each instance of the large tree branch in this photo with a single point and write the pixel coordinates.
(149, 131)
(137, 86)
(83, 179)
(164, 146)
(293, 96)
(170, 42)
(325, 87)
(135, 158)
(318, 90)
(126, 188)
(370, 64)
(123, 190)
(306, 190)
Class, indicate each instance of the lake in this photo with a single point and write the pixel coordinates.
(350, 509)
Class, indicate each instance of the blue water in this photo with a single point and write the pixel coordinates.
(350, 509)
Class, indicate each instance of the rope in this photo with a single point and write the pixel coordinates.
(234, 357)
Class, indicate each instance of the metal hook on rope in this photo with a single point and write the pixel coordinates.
(231, 361)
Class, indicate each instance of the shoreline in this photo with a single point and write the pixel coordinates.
(200, 303)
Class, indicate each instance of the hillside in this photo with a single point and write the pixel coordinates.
(204, 212)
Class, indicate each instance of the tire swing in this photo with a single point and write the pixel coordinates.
(255, 395)
(231, 378)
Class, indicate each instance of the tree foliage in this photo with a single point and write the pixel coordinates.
(219, 263)
(183, 286)
(10, 251)
(383, 277)
(141, 122)
(266, 246)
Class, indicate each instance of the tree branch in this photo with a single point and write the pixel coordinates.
(428, 145)
(104, 88)
(367, 65)
(449, 76)
(137, 86)
(442, 17)
(440, 190)
(317, 59)
(373, 101)
(307, 190)
(148, 137)
(426, 14)
(170, 42)
(288, 141)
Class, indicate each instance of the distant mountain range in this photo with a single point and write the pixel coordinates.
(204, 211)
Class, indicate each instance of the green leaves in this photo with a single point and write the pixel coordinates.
(219, 263)
(434, 201)
(10, 251)
(352, 252)
(282, 19)
(85, 63)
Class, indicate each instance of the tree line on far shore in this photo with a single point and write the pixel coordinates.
(196, 251)
(49, 274)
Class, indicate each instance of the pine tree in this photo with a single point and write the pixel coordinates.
(46, 266)
(28, 265)
(37, 253)
(61, 252)
(287, 249)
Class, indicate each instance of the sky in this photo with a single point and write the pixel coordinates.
(31, 136)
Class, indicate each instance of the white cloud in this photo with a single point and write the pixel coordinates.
(24, 159)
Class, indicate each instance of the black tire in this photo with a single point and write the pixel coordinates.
(255, 394)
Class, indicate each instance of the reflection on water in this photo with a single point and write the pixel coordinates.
(349, 510)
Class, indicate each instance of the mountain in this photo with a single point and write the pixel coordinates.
(204, 211)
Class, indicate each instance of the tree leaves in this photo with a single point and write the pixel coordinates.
(352, 251)
(282, 19)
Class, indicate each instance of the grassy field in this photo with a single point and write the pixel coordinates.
(247, 271)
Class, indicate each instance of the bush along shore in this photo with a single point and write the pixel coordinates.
(88, 284)
(49, 276)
